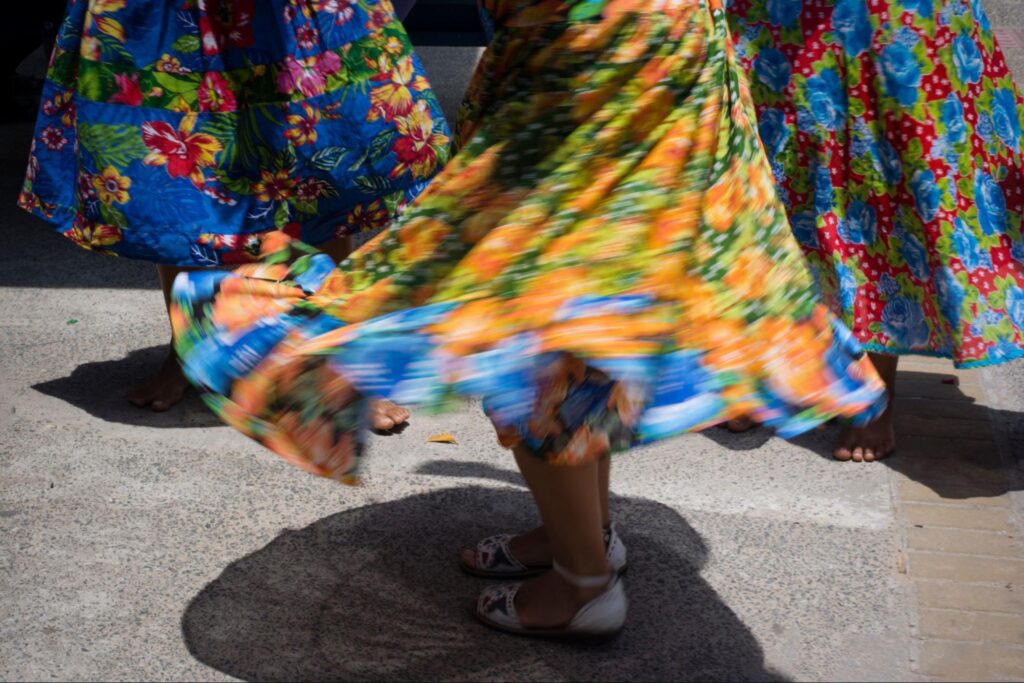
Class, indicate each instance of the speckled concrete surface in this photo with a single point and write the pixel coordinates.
(138, 552)
(167, 547)
(1005, 12)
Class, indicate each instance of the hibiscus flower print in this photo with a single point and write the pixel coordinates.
(196, 106)
(394, 46)
(215, 94)
(90, 234)
(96, 20)
(86, 191)
(106, 6)
(310, 190)
(307, 36)
(28, 201)
(394, 97)
(184, 153)
(129, 92)
(380, 18)
(61, 105)
(170, 64)
(418, 146)
(225, 24)
(111, 186)
(238, 248)
(303, 126)
(53, 138)
(307, 76)
(343, 10)
(368, 217)
(274, 186)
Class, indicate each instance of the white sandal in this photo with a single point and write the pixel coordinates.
(602, 616)
(494, 559)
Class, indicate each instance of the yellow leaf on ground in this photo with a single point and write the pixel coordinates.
(441, 438)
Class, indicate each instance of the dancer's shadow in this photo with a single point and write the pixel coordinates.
(750, 440)
(101, 388)
(374, 594)
(35, 256)
(945, 439)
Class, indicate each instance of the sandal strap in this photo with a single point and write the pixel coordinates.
(498, 604)
(593, 581)
(493, 553)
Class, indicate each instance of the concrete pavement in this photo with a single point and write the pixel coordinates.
(168, 547)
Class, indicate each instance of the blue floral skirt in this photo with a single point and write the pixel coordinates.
(182, 133)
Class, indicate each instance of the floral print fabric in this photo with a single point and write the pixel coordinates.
(182, 132)
(894, 131)
(605, 262)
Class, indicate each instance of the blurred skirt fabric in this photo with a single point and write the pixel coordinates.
(183, 132)
(894, 131)
(605, 261)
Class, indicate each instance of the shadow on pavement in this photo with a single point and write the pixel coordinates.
(100, 389)
(34, 255)
(40, 258)
(945, 439)
(375, 594)
(749, 440)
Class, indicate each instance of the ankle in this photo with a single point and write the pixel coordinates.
(582, 596)
(575, 594)
(584, 573)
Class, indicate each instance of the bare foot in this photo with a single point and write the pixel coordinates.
(549, 601)
(385, 416)
(741, 424)
(872, 442)
(532, 549)
(877, 439)
(164, 389)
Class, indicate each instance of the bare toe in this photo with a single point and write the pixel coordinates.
(740, 424)
(844, 450)
(843, 454)
(141, 396)
(163, 390)
(397, 413)
(162, 405)
(468, 558)
(382, 422)
(386, 415)
(869, 443)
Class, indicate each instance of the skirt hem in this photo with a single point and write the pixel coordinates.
(1018, 354)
